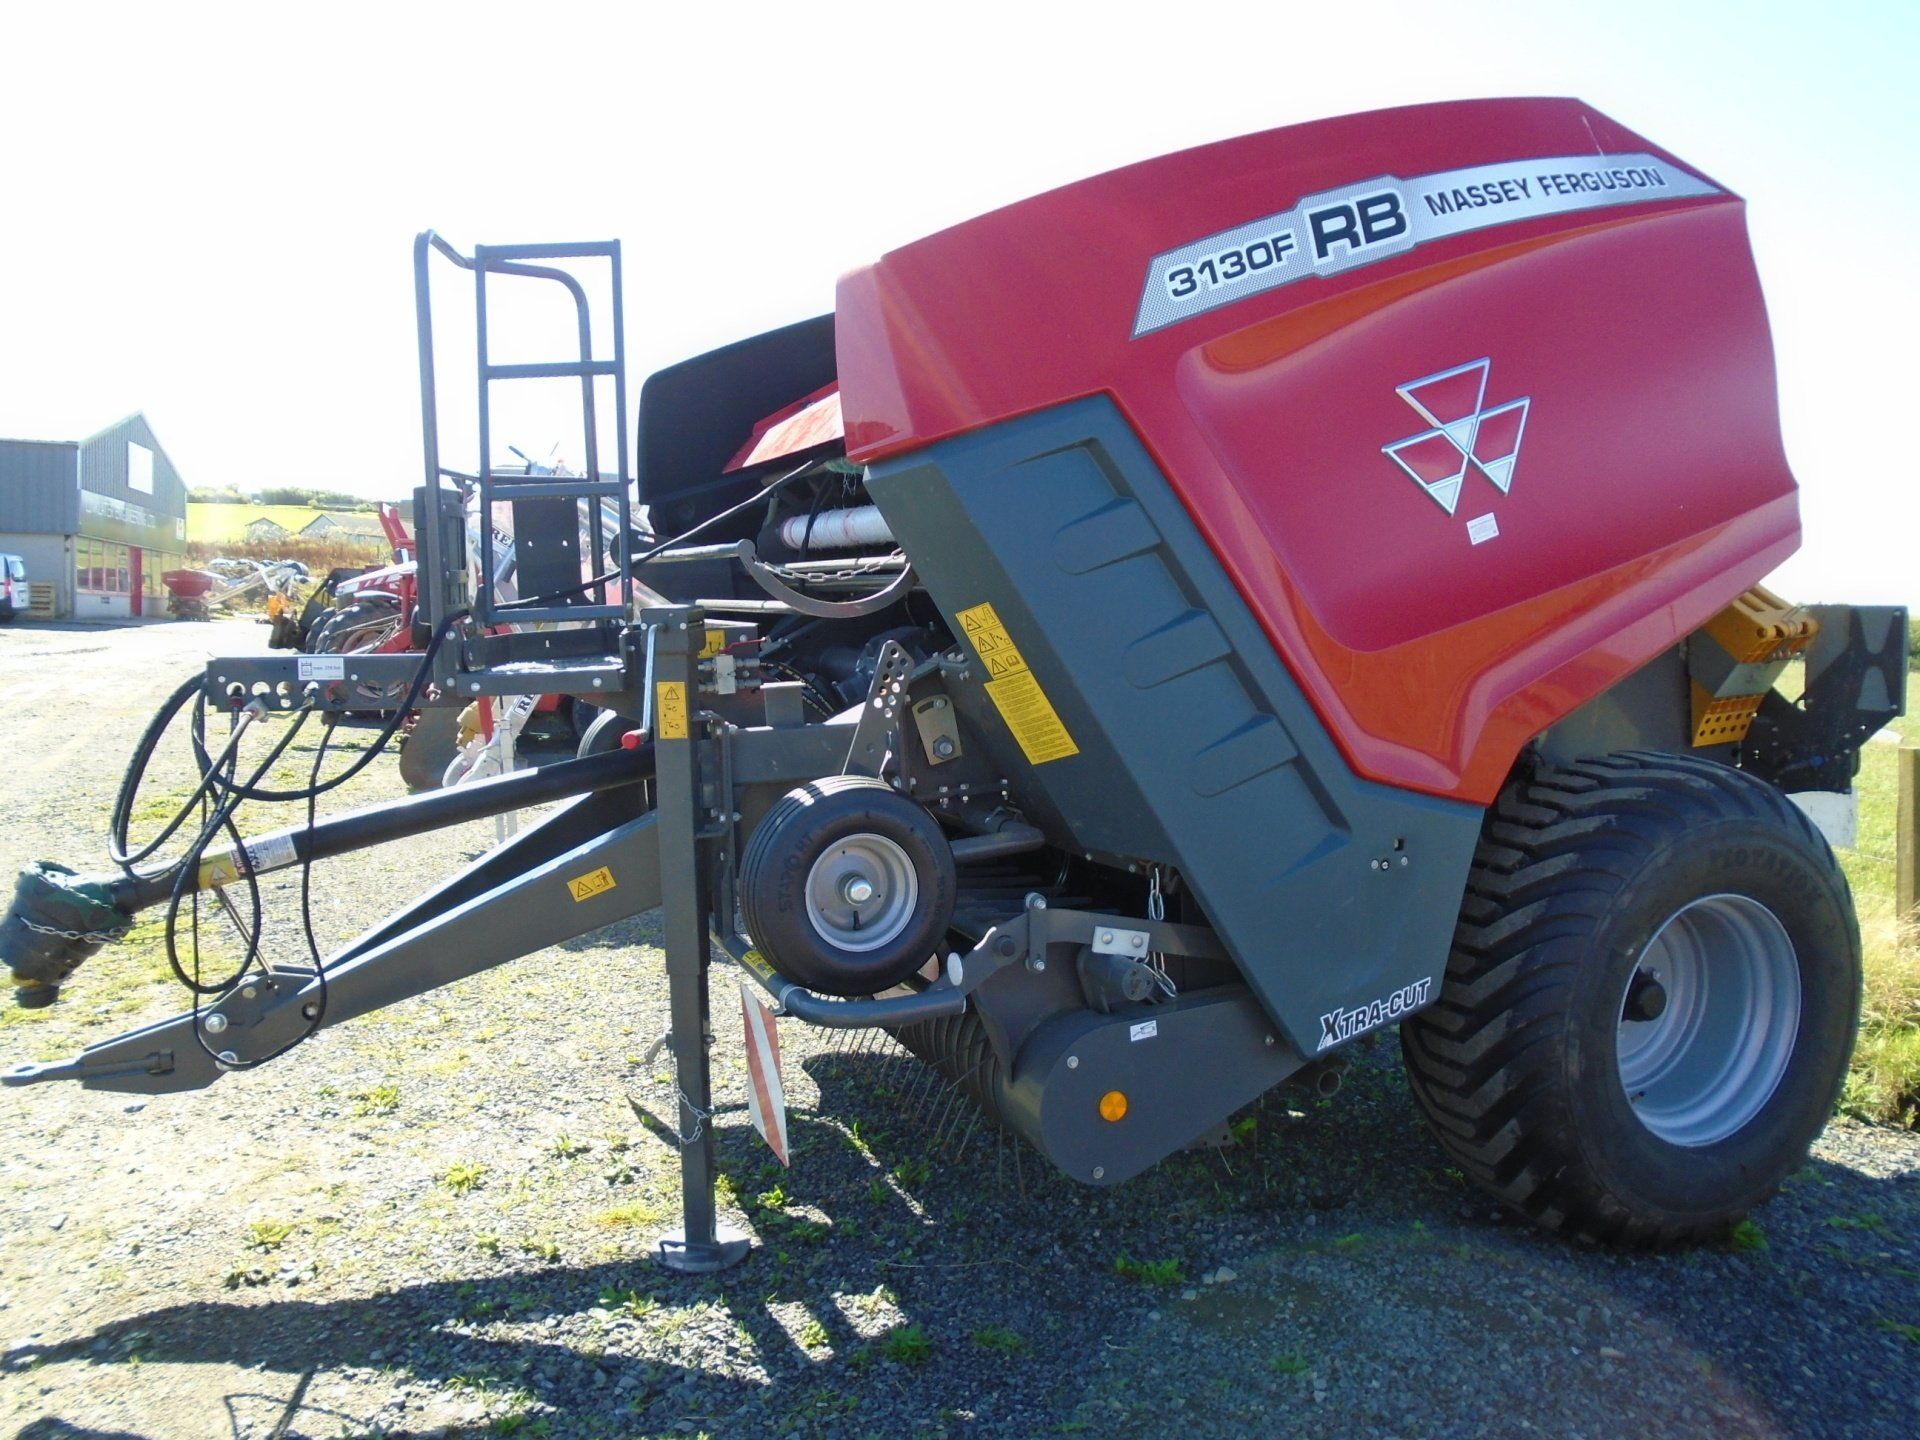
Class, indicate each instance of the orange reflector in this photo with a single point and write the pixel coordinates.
(1113, 1106)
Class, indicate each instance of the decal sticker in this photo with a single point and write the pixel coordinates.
(1358, 224)
(1016, 694)
(270, 852)
(670, 701)
(1339, 1025)
(218, 871)
(321, 667)
(594, 882)
(1143, 1030)
(253, 857)
(757, 963)
(1467, 435)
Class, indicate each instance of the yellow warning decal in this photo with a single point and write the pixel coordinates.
(716, 641)
(594, 882)
(991, 642)
(1014, 691)
(218, 871)
(670, 700)
(757, 963)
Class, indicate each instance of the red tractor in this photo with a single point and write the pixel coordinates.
(1150, 637)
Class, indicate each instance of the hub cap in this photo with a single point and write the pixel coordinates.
(1701, 1065)
(861, 893)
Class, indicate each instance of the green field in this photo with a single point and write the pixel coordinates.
(1885, 1083)
(227, 524)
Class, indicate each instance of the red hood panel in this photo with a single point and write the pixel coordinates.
(1475, 402)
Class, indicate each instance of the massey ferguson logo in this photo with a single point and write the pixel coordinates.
(1339, 1025)
(1467, 435)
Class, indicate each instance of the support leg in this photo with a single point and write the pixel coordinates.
(701, 1244)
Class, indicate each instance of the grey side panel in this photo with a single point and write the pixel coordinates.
(39, 491)
(1649, 710)
(1196, 748)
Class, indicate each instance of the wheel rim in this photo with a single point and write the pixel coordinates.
(861, 893)
(1706, 1064)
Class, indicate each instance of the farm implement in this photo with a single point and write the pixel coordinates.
(1145, 640)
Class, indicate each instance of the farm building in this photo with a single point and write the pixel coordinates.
(266, 528)
(98, 520)
(350, 527)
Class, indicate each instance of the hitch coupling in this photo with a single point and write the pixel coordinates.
(57, 920)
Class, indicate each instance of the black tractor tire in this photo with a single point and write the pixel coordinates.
(603, 733)
(361, 626)
(1518, 1066)
(581, 715)
(817, 824)
(428, 747)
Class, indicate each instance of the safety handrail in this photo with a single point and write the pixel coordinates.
(512, 260)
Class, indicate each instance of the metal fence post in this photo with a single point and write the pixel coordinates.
(1906, 838)
(701, 1244)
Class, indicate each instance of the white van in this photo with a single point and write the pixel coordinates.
(13, 586)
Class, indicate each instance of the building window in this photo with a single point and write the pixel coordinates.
(101, 568)
(139, 468)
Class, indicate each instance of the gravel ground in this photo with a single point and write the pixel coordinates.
(434, 1221)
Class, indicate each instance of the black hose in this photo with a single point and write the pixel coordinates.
(120, 820)
(186, 878)
(252, 792)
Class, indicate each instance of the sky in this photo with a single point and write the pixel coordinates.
(207, 212)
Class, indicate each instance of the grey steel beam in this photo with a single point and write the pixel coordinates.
(699, 1245)
(604, 878)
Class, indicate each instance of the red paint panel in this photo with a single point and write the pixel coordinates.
(1639, 486)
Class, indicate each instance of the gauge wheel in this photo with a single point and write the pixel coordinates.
(846, 886)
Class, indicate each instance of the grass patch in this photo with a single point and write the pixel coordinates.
(907, 1345)
(631, 1303)
(1884, 1083)
(999, 1338)
(464, 1176)
(1289, 1365)
(1150, 1272)
(635, 1215)
(269, 1234)
(380, 1100)
(1747, 1238)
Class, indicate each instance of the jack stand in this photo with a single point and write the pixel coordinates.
(701, 1245)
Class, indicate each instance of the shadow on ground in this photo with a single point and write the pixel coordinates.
(1359, 1263)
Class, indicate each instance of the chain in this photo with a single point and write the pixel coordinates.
(700, 1118)
(876, 566)
(1157, 911)
(99, 937)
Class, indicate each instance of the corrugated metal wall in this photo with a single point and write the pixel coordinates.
(37, 490)
(103, 469)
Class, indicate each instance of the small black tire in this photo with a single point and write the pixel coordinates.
(428, 748)
(1519, 1064)
(581, 715)
(836, 822)
(603, 733)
